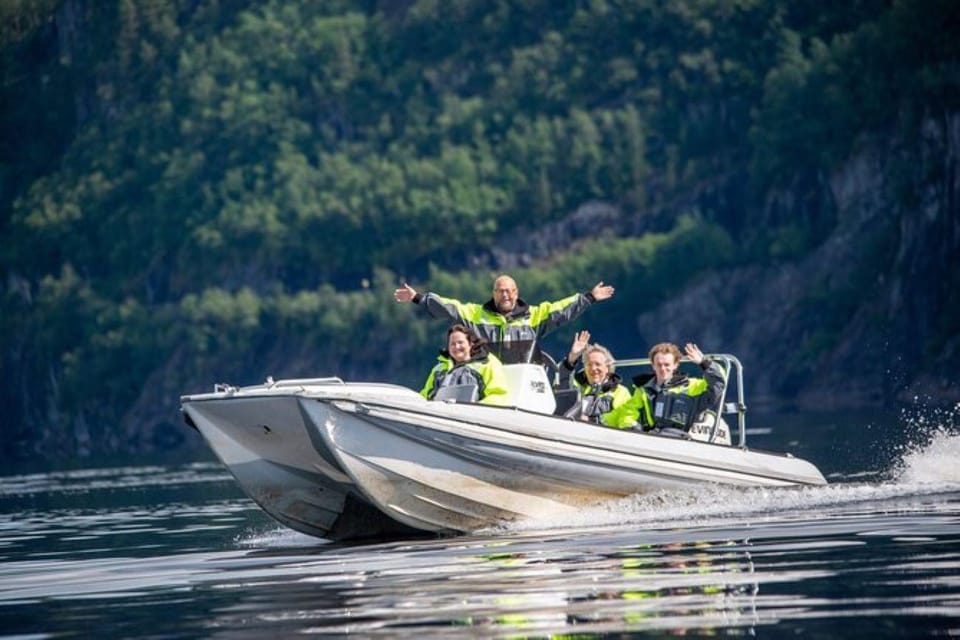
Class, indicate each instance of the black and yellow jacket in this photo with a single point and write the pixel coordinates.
(677, 403)
(484, 371)
(512, 337)
(599, 402)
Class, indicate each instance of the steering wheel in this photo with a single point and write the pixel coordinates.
(553, 371)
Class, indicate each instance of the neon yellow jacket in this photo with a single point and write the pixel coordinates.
(512, 337)
(603, 399)
(485, 371)
(639, 409)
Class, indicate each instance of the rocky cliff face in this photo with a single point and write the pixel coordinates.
(870, 317)
(923, 294)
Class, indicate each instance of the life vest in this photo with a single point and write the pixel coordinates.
(598, 400)
(484, 371)
(459, 375)
(677, 403)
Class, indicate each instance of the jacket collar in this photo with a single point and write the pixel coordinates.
(520, 310)
(677, 380)
(609, 384)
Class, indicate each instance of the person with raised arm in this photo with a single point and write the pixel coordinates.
(511, 327)
(600, 390)
(669, 401)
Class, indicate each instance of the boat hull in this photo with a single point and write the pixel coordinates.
(355, 460)
(280, 462)
(463, 468)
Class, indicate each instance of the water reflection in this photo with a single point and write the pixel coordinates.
(700, 584)
(603, 582)
(502, 588)
(123, 550)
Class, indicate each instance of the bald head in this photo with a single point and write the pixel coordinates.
(505, 294)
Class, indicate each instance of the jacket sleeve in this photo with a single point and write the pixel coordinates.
(495, 390)
(428, 385)
(547, 316)
(621, 418)
(633, 412)
(448, 308)
(716, 380)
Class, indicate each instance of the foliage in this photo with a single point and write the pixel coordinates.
(217, 183)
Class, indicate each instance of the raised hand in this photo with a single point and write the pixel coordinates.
(405, 293)
(602, 291)
(693, 352)
(580, 342)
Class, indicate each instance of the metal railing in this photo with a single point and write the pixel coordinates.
(300, 382)
(730, 365)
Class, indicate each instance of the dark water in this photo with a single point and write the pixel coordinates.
(176, 551)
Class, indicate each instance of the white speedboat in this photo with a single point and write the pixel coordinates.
(343, 460)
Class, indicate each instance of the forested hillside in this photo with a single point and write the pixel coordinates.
(200, 191)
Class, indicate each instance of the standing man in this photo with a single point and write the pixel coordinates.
(511, 327)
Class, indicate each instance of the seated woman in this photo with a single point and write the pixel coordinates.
(465, 362)
(600, 389)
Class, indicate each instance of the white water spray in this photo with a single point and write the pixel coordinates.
(929, 464)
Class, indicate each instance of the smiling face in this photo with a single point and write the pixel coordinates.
(458, 345)
(664, 364)
(596, 367)
(505, 294)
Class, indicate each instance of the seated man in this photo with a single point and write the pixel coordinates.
(599, 385)
(671, 402)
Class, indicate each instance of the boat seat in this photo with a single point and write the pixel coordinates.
(566, 399)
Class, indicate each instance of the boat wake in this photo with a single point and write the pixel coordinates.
(932, 446)
(277, 537)
(927, 468)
